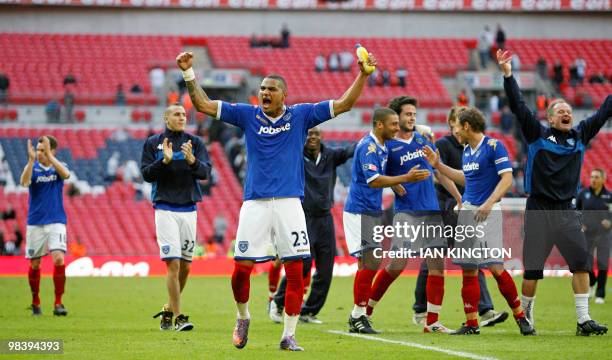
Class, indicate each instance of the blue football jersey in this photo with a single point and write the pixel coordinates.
(403, 156)
(369, 162)
(46, 203)
(482, 168)
(275, 165)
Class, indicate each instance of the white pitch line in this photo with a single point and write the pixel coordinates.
(415, 345)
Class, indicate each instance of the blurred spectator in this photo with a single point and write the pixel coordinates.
(130, 172)
(516, 63)
(462, 99)
(541, 102)
(4, 171)
(207, 184)
(542, 68)
(173, 97)
(157, 77)
(9, 213)
(18, 238)
(573, 75)
(285, 34)
(506, 120)
(120, 135)
(120, 96)
(76, 248)
(401, 74)
(136, 89)
(69, 79)
(254, 42)
(518, 181)
(9, 248)
(253, 99)
(485, 42)
(73, 190)
(494, 103)
(373, 78)
(500, 37)
(346, 61)
(68, 105)
(219, 226)
(320, 63)
(5, 83)
(53, 111)
(188, 105)
(558, 74)
(386, 78)
(334, 62)
(239, 165)
(580, 69)
(112, 166)
(598, 78)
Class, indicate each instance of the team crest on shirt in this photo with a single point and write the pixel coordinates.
(492, 143)
(165, 249)
(371, 149)
(243, 246)
(160, 147)
(30, 252)
(571, 142)
(287, 117)
(419, 141)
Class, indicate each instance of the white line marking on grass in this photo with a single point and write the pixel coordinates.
(415, 345)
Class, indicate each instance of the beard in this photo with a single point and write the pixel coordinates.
(405, 128)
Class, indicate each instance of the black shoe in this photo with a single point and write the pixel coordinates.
(361, 325)
(467, 330)
(525, 326)
(35, 310)
(590, 327)
(166, 318)
(60, 310)
(181, 323)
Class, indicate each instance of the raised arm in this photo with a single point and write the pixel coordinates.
(530, 125)
(595, 122)
(26, 175)
(455, 175)
(348, 100)
(201, 101)
(343, 154)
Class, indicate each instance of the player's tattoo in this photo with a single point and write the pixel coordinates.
(197, 94)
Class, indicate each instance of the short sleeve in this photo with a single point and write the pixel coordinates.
(235, 114)
(502, 160)
(318, 113)
(370, 163)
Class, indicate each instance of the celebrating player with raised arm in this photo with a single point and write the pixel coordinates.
(271, 218)
(552, 178)
(486, 175)
(44, 176)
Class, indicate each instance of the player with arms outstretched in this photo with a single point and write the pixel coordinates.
(44, 176)
(271, 219)
(552, 178)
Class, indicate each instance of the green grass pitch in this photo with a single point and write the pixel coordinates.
(111, 318)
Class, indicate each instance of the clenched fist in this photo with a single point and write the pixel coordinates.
(184, 60)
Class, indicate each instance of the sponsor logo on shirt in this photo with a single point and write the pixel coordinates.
(160, 147)
(371, 149)
(571, 142)
(370, 167)
(492, 143)
(552, 138)
(47, 178)
(269, 130)
(471, 166)
(411, 156)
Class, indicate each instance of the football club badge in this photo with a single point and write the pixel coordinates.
(165, 249)
(243, 246)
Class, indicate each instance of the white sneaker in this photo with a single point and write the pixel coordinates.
(419, 318)
(274, 313)
(436, 327)
(599, 300)
(493, 317)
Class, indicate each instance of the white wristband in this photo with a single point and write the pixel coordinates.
(188, 74)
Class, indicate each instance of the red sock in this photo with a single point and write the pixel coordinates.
(273, 277)
(362, 286)
(34, 280)
(381, 284)
(519, 315)
(241, 282)
(59, 280)
(435, 293)
(295, 287)
(470, 293)
(473, 322)
(508, 289)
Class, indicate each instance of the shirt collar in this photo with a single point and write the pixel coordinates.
(274, 120)
(382, 146)
(472, 151)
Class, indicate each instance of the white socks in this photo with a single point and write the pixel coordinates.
(358, 311)
(528, 306)
(243, 310)
(372, 303)
(582, 307)
(290, 325)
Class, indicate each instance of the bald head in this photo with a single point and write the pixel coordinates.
(175, 117)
